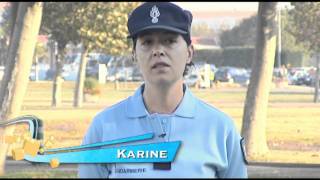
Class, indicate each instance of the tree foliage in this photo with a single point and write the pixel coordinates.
(287, 38)
(57, 22)
(242, 35)
(305, 17)
(103, 26)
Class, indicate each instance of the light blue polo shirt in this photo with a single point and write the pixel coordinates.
(210, 142)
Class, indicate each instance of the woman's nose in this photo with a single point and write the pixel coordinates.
(157, 50)
(157, 53)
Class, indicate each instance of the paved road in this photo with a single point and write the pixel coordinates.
(255, 170)
(283, 170)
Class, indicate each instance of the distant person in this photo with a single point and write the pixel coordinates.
(211, 78)
(164, 105)
(283, 73)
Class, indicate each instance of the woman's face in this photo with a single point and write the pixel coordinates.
(162, 56)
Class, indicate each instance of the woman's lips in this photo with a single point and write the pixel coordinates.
(160, 64)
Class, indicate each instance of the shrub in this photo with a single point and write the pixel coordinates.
(91, 86)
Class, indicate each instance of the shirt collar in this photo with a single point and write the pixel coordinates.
(135, 105)
(187, 106)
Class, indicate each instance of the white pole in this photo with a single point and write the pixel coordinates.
(279, 36)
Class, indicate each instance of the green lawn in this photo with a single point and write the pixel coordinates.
(42, 174)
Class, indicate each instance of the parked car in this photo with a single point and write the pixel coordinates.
(304, 80)
(299, 77)
(70, 72)
(242, 79)
(222, 75)
(191, 80)
(124, 74)
(72, 64)
(136, 75)
(232, 75)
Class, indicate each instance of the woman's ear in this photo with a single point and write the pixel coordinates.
(190, 53)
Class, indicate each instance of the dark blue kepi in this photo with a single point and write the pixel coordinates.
(159, 15)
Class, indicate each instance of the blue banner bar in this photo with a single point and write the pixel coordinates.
(142, 153)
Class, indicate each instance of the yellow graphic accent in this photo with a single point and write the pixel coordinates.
(54, 163)
(18, 154)
(31, 147)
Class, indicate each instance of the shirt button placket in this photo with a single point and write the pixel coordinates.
(165, 127)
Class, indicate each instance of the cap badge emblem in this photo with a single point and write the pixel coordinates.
(154, 13)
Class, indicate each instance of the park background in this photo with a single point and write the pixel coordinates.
(223, 34)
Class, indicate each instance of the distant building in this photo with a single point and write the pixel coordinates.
(221, 19)
(204, 43)
(218, 21)
(219, 15)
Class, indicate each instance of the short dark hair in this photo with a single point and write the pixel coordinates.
(188, 41)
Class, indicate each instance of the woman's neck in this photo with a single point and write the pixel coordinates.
(163, 100)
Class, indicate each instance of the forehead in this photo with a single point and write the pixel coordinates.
(157, 32)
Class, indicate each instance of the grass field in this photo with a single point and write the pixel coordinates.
(293, 121)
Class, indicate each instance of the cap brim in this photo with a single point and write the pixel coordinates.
(169, 28)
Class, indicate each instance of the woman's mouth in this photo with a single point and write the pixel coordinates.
(160, 65)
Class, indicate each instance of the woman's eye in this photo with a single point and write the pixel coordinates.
(146, 42)
(170, 41)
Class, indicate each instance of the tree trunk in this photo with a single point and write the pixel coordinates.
(16, 29)
(78, 94)
(316, 85)
(19, 61)
(57, 82)
(52, 56)
(14, 13)
(256, 104)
